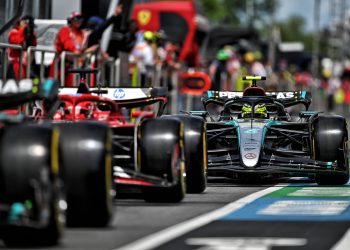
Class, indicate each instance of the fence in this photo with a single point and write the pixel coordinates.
(42, 53)
(4, 48)
(114, 72)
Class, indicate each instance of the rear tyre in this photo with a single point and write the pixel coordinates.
(195, 152)
(330, 145)
(87, 173)
(160, 147)
(29, 179)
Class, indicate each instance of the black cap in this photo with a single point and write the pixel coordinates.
(29, 19)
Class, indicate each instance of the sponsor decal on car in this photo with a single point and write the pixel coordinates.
(249, 149)
(230, 94)
(119, 94)
(11, 86)
(279, 95)
(250, 156)
(251, 131)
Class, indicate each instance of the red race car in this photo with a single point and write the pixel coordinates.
(160, 154)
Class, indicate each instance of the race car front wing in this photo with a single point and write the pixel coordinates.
(289, 166)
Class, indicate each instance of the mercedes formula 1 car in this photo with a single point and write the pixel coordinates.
(31, 200)
(256, 133)
(48, 167)
(163, 155)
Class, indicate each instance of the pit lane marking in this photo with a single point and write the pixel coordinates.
(305, 207)
(299, 203)
(343, 243)
(159, 238)
(244, 243)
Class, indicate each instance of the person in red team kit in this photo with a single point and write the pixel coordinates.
(71, 38)
(22, 34)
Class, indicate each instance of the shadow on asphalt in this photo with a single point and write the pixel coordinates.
(256, 182)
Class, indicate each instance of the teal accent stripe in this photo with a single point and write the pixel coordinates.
(210, 94)
(234, 123)
(329, 164)
(303, 94)
(47, 86)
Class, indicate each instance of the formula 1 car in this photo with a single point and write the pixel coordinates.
(254, 133)
(163, 155)
(46, 167)
(31, 197)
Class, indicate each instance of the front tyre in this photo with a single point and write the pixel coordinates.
(330, 138)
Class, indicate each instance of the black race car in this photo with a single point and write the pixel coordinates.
(49, 173)
(256, 133)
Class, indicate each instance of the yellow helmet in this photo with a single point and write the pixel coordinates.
(260, 111)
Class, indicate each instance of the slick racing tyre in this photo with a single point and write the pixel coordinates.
(160, 150)
(29, 183)
(330, 144)
(87, 175)
(195, 152)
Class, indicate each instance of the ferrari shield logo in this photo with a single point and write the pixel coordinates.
(144, 16)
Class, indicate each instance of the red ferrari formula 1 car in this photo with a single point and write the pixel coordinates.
(164, 155)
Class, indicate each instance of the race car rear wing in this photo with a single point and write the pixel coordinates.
(120, 94)
(126, 96)
(287, 98)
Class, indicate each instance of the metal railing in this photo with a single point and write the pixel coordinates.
(117, 72)
(63, 58)
(113, 71)
(4, 47)
(42, 52)
(111, 80)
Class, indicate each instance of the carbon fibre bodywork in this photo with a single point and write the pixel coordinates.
(279, 145)
(123, 109)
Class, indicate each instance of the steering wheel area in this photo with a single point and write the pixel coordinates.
(253, 108)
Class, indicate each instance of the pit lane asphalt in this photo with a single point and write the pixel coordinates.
(135, 219)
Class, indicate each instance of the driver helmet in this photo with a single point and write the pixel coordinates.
(260, 111)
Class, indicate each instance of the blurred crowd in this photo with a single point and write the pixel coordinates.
(331, 89)
(149, 51)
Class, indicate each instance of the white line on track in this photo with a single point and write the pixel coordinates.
(170, 233)
(343, 243)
